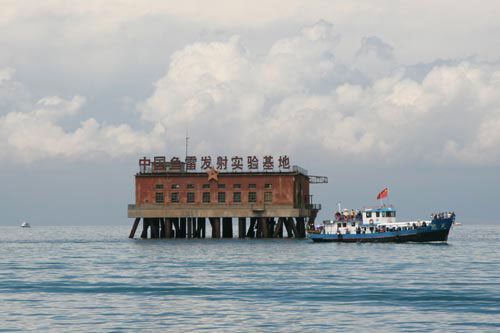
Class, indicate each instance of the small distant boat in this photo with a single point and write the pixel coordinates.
(457, 224)
(25, 225)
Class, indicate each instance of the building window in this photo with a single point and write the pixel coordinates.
(221, 197)
(159, 197)
(268, 185)
(206, 197)
(190, 197)
(175, 186)
(252, 185)
(175, 197)
(236, 185)
(159, 186)
(221, 185)
(206, 185)
(252, 196)
(190, 186)
(237, 197)
(268, 196)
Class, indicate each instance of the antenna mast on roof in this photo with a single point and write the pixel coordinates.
(187, 141)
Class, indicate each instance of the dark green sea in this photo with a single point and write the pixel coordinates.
(94, 279)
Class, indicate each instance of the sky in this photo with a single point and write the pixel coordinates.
(371, 94)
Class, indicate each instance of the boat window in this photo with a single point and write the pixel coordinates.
(368, 214)
(388, 214)
(377, 214)
(344, 224)
(339, 225)
(353, 224)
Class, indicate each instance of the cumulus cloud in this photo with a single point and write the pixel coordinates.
(298, 96)
(375, 58)
(33, 134)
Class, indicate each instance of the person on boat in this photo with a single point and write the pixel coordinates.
(337, 216)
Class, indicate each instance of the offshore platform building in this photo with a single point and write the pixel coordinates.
(176, 200)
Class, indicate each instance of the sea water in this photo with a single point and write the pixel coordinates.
(96, 279)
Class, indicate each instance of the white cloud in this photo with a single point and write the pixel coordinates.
(6, 74)
(36, 134)
(299, 96)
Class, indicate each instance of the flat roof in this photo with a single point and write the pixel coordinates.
(221, 174)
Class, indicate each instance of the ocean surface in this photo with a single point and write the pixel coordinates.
(95, 279)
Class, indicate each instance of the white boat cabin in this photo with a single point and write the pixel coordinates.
(381, 215)
(369, 220)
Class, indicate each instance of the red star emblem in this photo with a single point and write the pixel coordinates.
(212, 174)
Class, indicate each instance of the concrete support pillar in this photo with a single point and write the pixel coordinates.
(162, 228)
(264, 231)
(301, 227)
(288, 227)
(195, 227)
(155, 228)
(189, 228)
(215, 223)
(211, 220)
(251, 228)
(258, 231)
(145, 227)
(242, 227)
(134, 227)
(227, 227)
(270, 226)
(175, 222)
(182, 226)
(168, 228)
(217, 227)
(201, 227)
(278, 231)
(294, 227)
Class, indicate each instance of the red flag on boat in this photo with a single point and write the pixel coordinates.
(383, 194)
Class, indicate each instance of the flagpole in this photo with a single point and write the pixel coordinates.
(387, 197)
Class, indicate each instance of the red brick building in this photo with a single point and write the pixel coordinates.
(174, 202)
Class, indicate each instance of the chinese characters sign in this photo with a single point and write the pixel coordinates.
(222, 163)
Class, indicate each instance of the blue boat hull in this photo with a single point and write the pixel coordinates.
(436, 231)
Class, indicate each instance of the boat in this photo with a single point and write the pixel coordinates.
(379, 225)
(25, 225)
